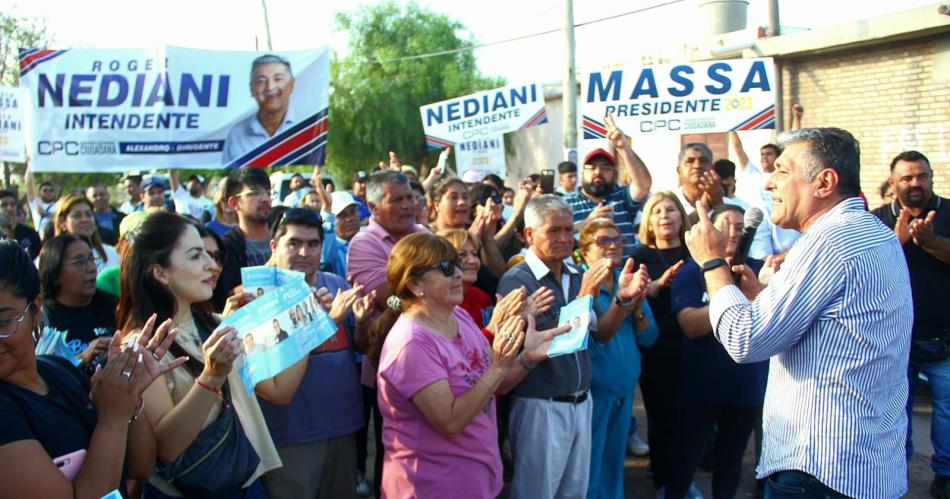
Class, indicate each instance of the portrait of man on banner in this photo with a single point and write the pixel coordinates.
(272, 83)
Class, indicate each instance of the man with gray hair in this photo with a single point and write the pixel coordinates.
(272, 82)
(835, 322)
(550, 424)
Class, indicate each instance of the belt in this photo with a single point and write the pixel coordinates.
(574, 399)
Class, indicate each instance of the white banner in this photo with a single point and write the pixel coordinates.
(483, 115)
(12, 144)
(484, 155)
(170, 107)
(696, 97)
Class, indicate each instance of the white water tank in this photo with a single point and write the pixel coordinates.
(723, 16)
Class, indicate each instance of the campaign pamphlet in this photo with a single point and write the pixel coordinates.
(279, 327)
(694, 97)
(101, 110)
(578, 314)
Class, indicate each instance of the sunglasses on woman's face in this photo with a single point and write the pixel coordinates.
(447, 267)
(484, 199)
(605, 241)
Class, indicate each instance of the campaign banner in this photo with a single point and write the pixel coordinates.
(279, 327)
(171, 107)
(12, 144)
(578, 314)
(483, 154)
(695, 97)
(483, 114)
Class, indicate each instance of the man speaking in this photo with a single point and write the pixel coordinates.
(272, 82)
(837, 319)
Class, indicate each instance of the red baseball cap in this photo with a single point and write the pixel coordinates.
(600, 152)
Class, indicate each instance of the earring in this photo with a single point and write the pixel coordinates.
(36, 335)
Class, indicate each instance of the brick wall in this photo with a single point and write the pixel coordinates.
(887, 95)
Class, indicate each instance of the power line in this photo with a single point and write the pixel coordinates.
(524, 37)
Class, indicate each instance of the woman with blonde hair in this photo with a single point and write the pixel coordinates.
(75, 216)
(663, 250)
(437, 377)
(615, 365)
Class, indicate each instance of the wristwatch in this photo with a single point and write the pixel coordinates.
(714, 263)
(621, 303)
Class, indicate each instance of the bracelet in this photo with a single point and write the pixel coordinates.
(524, 362)
(215, 391)
(621, 303)
(138, 410)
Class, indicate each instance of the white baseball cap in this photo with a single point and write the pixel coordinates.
(340, 200)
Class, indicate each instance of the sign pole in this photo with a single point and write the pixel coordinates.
(569, 83)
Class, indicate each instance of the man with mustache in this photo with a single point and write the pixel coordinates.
(600, 196)
(272, 82)
(921, 221)
(191, 201)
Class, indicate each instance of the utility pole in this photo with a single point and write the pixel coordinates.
(775, 29)
(266, 25)
(569, 85)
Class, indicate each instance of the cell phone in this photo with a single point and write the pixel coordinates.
(70, 463)
(547, 181)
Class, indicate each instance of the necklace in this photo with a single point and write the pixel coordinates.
(188, 335)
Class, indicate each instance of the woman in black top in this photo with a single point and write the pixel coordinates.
(663, 251)
(72, 303)
(48, 413)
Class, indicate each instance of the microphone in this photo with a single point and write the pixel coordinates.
(753, 218)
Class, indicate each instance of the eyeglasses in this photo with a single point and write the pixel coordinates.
(9, 326)
(253, 193)
(485, 197)
(82, 262)
(605, 241)
(447, 267)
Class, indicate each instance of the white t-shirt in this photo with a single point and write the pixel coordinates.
(186, 204)
(42, 214)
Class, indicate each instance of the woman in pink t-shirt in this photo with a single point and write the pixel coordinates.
(437, 376)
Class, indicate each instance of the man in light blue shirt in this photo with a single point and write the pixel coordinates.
(835, 321)
(272, 83)
(340, 225)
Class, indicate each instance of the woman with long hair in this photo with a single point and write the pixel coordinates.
(615, 365)
(60, 434)
(437, 377)
(167, 273)
(74, 216)
(72, 303)
(663, 250)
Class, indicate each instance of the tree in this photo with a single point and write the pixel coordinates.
(17, 33)
(374, 102)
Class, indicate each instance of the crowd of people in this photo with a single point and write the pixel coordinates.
(446, 293)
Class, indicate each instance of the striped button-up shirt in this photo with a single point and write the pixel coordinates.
(837, 319)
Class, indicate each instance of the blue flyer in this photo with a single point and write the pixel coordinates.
(576, 313)
(279, 327)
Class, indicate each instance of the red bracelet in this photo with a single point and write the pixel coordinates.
(216, 391)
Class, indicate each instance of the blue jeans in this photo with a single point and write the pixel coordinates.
(939, 375)
(796, 485)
